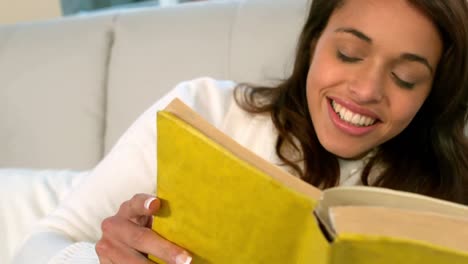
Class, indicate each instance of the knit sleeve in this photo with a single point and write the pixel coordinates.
(77, 253)
(55, 248)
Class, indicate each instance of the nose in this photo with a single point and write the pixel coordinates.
(368, 86)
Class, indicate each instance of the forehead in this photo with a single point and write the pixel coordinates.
(390, 23)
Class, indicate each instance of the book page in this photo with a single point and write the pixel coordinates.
(382, 197)
(442, 230)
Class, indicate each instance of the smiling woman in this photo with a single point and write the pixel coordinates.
(374, 98)
(367, 83)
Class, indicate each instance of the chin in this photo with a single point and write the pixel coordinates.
(348, 153)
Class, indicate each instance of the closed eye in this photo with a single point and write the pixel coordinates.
(402, 83)
(341, 56)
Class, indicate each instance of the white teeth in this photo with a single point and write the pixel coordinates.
(347, 115)
(350, 117)
(362, 120)
(356, 119)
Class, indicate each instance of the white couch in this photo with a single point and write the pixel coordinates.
(69, 87)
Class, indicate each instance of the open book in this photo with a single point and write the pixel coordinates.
(224, 204)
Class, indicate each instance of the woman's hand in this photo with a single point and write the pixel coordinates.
(127, 236)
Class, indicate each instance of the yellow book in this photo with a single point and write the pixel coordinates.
(224, 204)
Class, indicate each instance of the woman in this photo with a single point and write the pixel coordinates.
(375, 98)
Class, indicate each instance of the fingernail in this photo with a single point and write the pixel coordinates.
(148, 202)
(183, 258)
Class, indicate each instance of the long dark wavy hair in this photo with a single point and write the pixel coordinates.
(429, 157)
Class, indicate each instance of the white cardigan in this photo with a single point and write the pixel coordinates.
(69, 233)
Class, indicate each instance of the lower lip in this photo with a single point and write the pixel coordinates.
(347, 127)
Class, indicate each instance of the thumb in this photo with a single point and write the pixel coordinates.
(152, 205)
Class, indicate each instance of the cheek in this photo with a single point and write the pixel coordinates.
(323, 72)
(405, 109)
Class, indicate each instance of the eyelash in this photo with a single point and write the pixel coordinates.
(399, 82)
(345, 58)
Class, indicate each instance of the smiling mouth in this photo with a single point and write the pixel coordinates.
(352, 118)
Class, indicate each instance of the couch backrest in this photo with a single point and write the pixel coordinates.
(52, 76)
(70, 87)
(157, 48)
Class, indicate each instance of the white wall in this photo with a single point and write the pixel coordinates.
(13, 11)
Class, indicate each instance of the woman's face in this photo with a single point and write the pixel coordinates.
(371, 70)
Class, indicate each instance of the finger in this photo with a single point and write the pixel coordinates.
(146, 221)
(145, 240)
(114, 252)
(139, 205)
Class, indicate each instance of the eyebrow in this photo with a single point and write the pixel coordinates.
(356, 33)
(417, 58)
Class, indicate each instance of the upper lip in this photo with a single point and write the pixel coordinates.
(356, 108)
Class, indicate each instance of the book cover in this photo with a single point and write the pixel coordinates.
(224, 210)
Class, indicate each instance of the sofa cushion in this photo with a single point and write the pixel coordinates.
(151, 54)
(25, 197)
(266, 31)
(52, 96)
(245, 41)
